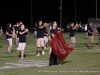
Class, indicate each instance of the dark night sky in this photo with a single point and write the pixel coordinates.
(47, 10)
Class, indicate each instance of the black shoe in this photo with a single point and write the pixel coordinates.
(10, 52)
(87, 46)
(51, 64)
(56, 64)
(7, 52)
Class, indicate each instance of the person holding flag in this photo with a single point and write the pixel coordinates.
(53, 31)
(59, 48)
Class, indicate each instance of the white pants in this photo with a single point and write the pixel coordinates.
(9, 41)
(21, 46)
(45, 39)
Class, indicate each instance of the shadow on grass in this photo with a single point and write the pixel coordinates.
(27, 55)
(84, 44)
(81, 44)
(66, 37)
(96, 66)
(20, 55)
(63, 62)
(1, 46)
(95, 43)
(47, 50)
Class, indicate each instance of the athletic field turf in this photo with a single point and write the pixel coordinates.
(81, 61)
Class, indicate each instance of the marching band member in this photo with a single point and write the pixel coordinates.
(22, 40)
(1, 31)
(72, 30)
(9, 35)
(35, 30)
(98, 32)
(90, 35)
(17, 32)
(46, 36)
(53, 31)
(40, 37)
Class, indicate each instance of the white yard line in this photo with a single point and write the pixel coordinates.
(25, 63)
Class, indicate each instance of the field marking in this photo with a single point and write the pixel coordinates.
(47, 71)
(26, 63)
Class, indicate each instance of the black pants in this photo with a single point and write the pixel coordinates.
(53, 59)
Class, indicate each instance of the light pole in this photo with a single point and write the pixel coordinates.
(60, 13)
(75, 11)
(96, 10)
(31, 16)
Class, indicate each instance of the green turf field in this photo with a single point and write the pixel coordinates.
(81, 61)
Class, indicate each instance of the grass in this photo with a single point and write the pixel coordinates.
(81, 61)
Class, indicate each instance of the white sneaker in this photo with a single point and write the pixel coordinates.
(43, 53)
(22, 58)
(38, 54)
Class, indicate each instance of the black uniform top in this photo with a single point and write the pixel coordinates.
(17, 29)
(72, 32)
(9, 32)
(22, 38)
(45, 32)
(89, 28)
(40, 32)
(35, 28)
(54, 31)
(98, 29)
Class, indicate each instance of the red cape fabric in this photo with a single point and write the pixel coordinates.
(59, 47)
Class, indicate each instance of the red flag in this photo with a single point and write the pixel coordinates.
(59, 47)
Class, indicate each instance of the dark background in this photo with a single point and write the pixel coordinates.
(47, 10)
